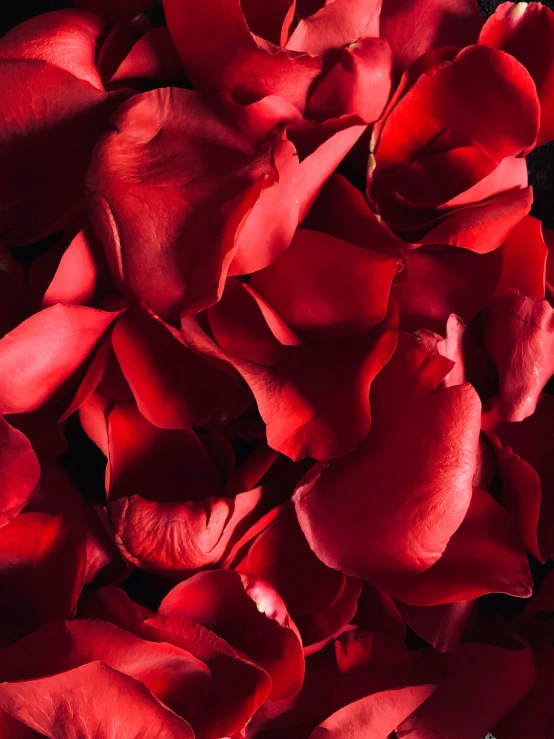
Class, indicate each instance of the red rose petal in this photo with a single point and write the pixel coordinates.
(19, 471)
(154, 57)
(248, 614)
(95, 700)
(42, 571)
(173, 675)
(226, 54)
(423, 500)
(487, 679)
(335, 25)
(68, 39)
(211, 174)
(526, 31)
(76, 278)
(123, 8)
(50, 123)
(520, 340)
(44, 351)
(413, 28)
(173, 387)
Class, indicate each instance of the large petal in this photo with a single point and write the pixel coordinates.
(19, 471)
(50, 123)
(218, 50)
(42, 353)
(335, 25)
(174, 387)
(173, 675)
(250, 616)
(123, 9)
(168, 189)
(91, 702)
(526, 31)
(412, 28)
(403, 492)
(68, 39)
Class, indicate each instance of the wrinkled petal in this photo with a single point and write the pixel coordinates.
(375, 716)
(173, 675)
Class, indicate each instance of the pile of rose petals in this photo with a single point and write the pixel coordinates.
(276, 437)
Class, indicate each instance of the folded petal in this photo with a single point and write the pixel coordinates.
(152, 57)
(403, 493)
(250, 616)
(174, 676)
(76, 277)
(122, 10)
(436, 104)
(441, 282)
(169, 188)
(375, 716)
(485, 555)
(50, 123)
(323, 287)
(239, 685)
(413, 28)
(234, 58)
(91, 702)
(303, 167)
(177, 538)
(519, 338)
(19, 471)
(42, 353)
(174, 387)
(358, 84)
(68, 39)
(526, 31)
